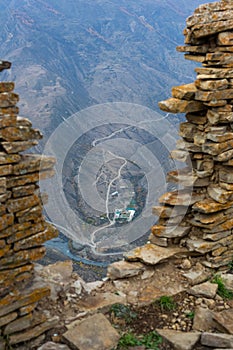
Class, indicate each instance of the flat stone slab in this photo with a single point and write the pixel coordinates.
(151, 254)
(197, 276)
(123, 269)
(217, 340)
(203, 319)
(175, 105)
(225, 320)
(180, 340)
(92, 333)
(206, 290)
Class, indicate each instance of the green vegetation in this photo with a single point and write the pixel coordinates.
(150, 341)
(123, 311)
(166, 303)
(190, 315)
(126, 340)
(224, 292)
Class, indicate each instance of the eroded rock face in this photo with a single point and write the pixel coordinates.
(23, 229)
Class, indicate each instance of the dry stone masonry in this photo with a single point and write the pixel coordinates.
(197, 220)
(23, 229)
(206, 145)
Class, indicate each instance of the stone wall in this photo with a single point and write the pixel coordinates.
(206, 146)
(23, 229)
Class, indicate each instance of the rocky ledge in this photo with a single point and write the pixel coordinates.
(202, 318)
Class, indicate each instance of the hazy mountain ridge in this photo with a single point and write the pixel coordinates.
(69, 55)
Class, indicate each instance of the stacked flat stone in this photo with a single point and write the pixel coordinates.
(200, 216)
(23, 229)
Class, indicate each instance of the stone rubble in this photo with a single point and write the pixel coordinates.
(23, 229)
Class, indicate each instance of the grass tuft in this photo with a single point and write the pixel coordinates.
(166, 303)
(224, 292)
(150, 341)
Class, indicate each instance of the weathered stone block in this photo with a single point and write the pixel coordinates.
(9, 111)
(124, 269)
(207, 29)
(160, 241)
(8, 318)
(22, 191)
(170, 232)
(5, 221)
(8, 276)
(9, 159)
(219, 195)
(215, 116)
(33, 332)
(15, 300)
(174, 105)
(15, 205)
(18, 325)
(183, 176)
(208, 85)
(7, 86)
(184, 92)
(225, 156)
(22, 133)
(30, 214)
(26, 232)
(21, 258)
(203, 247)
(29, 178)
(214, 149)
(193, 49)
(210, 206)
(208, 220)
(206, 290)
(18, 146)
(226, 175)
(5, 170)
(167, 211)
(188, 130)
(225, 226)
(97, 334)
(214, 73)
(188, 146)
(179, 155)
(152, 255)
(219, 58)
(8, 99)
(225, 38)
(182, 197)
(217, 340)
(180, 340)
(37, 239)
(33, 163)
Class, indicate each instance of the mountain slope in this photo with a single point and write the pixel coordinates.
(68, 55)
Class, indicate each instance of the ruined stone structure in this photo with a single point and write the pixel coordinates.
(207, 142)
(23, 228)
(197, 220)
